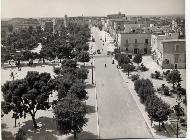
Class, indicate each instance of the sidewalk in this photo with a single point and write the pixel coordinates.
(130, 84)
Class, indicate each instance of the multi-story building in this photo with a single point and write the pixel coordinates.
(167, 50)
(134, 42)
(116, 16)
(178, 25)
(21, 23)
(171, 54)
(156, 39)
(4, 29)
(49, 26)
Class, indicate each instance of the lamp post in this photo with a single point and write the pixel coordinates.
(92, 73)
(178, 110)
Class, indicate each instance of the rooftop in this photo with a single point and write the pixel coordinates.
(173, 40)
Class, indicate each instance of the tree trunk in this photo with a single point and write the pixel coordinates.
(75, 135)
(128, 73)
(43, 60)
(34, 121)
(15, 121)
(159, 126)
(60, 60)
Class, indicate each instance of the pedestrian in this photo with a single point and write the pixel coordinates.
(105, 65)
(113, 62)
(117, 66)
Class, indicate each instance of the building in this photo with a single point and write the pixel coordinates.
(4, 29)
(134, 42)
(21, 23)
(49, 26)
(178, 25)
(116, 16)
(156, 39)
(171, 54)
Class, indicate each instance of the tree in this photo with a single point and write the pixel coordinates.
(63, 84)
(122, 59)
(138, 58)
(129, 67)
(78, 89)
(28, 95)
(174, 77)
(69, 63)
(83, 57)
(82, 73)
(162, 113)
(70, 115)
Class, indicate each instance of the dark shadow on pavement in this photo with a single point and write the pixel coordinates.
(32, 66)
(90, 109)
(6, 135)
(88, 86)
(46, 131)
(84, 135)
(3, 126)
(89, 67)
(162, 132)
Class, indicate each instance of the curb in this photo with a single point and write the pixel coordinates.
(97, 116)
(151, 132)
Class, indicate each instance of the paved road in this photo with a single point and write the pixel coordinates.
(119, 116)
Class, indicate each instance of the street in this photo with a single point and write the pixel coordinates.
(119, 116)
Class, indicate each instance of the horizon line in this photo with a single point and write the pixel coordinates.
(92, 16)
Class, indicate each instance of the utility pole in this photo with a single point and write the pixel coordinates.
(92, 73)
(179, 112)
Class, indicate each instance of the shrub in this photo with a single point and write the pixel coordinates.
(144, 68)
(157, 74)
(166, 90)
(20, 135)
(166, 73)
(57, 70)
(134, 77)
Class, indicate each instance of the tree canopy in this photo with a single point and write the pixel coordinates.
(70, 115)
(28, 95)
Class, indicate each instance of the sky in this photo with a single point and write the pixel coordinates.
(58, 8)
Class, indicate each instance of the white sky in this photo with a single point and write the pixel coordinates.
(58, 8)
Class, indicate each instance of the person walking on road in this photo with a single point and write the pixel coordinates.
(105, 65)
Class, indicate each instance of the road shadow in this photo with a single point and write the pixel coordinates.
(32, 66)
(89, 67)
(161, 132)
(6, 135)
(90, 109)
(46, 131)
(3, 126)
(84, 135)
(89, 86)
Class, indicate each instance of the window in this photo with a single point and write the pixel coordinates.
(145, 51)
(146, 41)
(135, 41)
(176, 58)
(176, 48)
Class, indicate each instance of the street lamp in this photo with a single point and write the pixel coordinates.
(178, 111)
(92, 73)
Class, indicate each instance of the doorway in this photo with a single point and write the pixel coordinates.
(145, 50)
(136, 51)
(175, 66)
